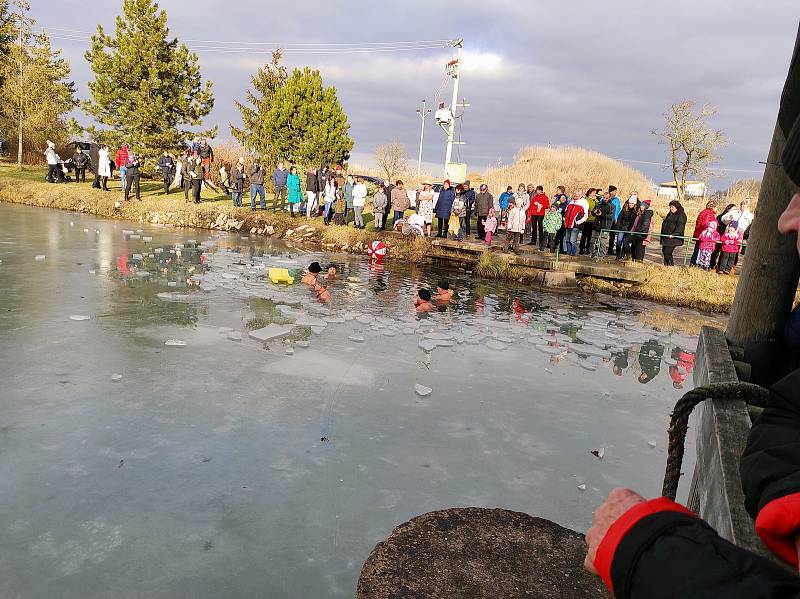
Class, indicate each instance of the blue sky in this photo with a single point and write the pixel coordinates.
(578, 72)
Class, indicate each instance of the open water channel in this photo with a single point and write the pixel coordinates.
(150, 446)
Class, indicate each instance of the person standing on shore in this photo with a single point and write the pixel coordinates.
(359, 200)
(132, 176)
(312, 189)
(672, 230)
(515, 224)
(237, 182)
(196, 174)
(551, 225)
(561, 201)
(79, 162)
(121, 160)
(484, 202)
(575, 215)
(52, 162)
(617, 206)
(388, 187)
(166, 165)
(256, 177)
(348, 197)
(103, 166)
(379, 202)
(536, 211)
(295, 192)
(706, 215)
(603, 221)
(443, 208)
(425, 206)
(279, 176)
(469, 204)
(400, 202)
(588, 225)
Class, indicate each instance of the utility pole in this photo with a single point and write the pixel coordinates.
(423, 113)
(446, 117)
(20, 91)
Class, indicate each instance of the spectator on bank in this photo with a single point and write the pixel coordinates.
(706, 215)
(80, 160)
(349, 184)
(188, 165)
(469, 204)
(224, 179)
(312, 191)
(708, 241)
(425, 207)
(121, 160)
(133, 176)
(574, 216)
(323, 174)
(515, 224)
(256, 176)
(489, 227)
(279, 176)
(722, 219)
(295, 192)
(540, 203)
(237, 182)
(617, 205)
(444, 206)
(379, 202)
(588, 225)
(400, 202)
(731, 242)
(330, 198)
(484, 202)
(53, 162)
(103, 166)
(166, 165)
(359, 200)
(624, 223)
(339, 204)
(672, 231)
(603, 221)
(640, 231)
(206, 154)
(561, 200)
(551, 225)
(459, 211)
(197, 179)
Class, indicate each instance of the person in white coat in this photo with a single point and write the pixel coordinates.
(359, 200)
(53, 162)
(515, 224)
(104, 166)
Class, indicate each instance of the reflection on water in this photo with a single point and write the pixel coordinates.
(237, 463)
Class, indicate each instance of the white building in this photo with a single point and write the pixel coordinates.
(693, 189)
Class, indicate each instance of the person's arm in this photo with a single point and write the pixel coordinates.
(770, 470)
(658, 549)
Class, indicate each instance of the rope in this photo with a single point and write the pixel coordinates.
(747, 392)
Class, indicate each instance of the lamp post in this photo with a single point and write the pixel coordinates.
(423, 113)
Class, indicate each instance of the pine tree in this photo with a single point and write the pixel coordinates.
(35, 97)
(266, 82)
(147, 88)
(294, 118)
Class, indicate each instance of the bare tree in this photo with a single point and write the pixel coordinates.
(692, 144)
(392, 159)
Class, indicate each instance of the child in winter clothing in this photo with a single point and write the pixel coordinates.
(459, 210)
(490, 226)
(708, 241)
(379, 202)
(515, 224)
(551, 225)
(731, 241)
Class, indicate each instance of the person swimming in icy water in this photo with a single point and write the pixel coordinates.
(423, 302)
(310, 278)
(331, 271)
(443, 292)
(323, 295)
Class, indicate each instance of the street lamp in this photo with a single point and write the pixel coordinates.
(423, 113)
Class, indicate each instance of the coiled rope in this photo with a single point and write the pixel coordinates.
(751, 394)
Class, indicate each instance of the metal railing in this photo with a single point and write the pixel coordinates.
(686, 246)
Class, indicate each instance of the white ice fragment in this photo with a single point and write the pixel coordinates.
(135, 236)
(356, 338)
(137, 256)
(599, 453)
(147, 239)
(172, 283)
(302, 343)
(235, 335)
(422, 390)
(40, 257)
(91, 272)
(79, 317)
(587, 365)
(271, 331)
(652, 443)
(116, 378)
(289, 350)
(71, 223)
(364, 318)
(389, 333)
(127, 232)
(428, 345)
(497, 345)
(548, 370)
(582, 487)
(175, 343)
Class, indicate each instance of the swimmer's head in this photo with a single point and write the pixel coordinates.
(444, 285)
(424, 295)
(314, 268)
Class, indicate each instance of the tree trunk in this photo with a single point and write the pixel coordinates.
(768, 283)
(19, 145)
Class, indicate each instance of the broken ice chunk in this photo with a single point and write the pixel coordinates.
(599, 453)
(652, 443)
(175, 343)
(39, 258)
(271, 331)
(582, 487)
(422, 390)
(79, 317)
(356, 338)
(116, 378)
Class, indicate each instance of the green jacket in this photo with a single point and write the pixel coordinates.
(552, 222)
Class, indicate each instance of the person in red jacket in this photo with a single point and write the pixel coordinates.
(659, 549)
(705, 217)
(731, 242)
(536, 211)
(121, 160)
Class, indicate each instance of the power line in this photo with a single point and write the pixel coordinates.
(717, 168)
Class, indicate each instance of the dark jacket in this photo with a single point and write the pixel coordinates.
(279, 177)
(206, 152)
(312, 182)
(674, 224)
(256, 175)
(132, 165)
(626, 218)
(323, 174)
(666, 551)
(641, 223)
(80, 160)
(166, 164)
(603, 216)
(469, 199)
(444, 205)
(483, 201)
(237, 179)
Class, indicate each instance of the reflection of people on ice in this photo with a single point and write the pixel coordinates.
(682, 368)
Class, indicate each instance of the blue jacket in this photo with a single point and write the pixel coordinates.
(504, 197)
(444, 205)
(617, 207)
(562, 201)
(469, 199)
(279, 178)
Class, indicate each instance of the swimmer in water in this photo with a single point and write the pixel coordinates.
(331, 272)
(423, 303)
(310, 278)
(323, 295)
(443, 292)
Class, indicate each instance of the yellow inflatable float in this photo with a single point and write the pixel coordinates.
(280, 275)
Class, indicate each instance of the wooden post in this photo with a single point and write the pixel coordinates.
(768, 282)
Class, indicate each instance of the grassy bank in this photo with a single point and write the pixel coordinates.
(679, 286)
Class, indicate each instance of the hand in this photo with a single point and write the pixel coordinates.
(619, 501)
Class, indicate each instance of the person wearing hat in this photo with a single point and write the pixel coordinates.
(624, 223)
(640, 232)
(483, 203)
(425, 206)
(310, 278)
(52, 162)
(658, 548)
(617, 208)
(443, 208)
(469, 203)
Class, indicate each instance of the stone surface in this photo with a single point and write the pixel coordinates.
(271, 331)
(478, 553)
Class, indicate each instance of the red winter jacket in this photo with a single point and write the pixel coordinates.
(544, 204)
(574, 213)
(705, 217)
(731, 243)
(121, 157)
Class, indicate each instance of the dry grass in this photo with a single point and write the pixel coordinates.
(497, 266)
(679, 286)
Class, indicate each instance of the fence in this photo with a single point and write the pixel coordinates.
(688, 246)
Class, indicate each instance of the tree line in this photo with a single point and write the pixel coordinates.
(148, 91)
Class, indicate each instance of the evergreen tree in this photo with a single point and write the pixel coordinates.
(266, 82)
(294, 118)
(7, 35)
(35, 97)
(147, 88)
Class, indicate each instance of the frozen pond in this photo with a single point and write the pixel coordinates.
(151, 446)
